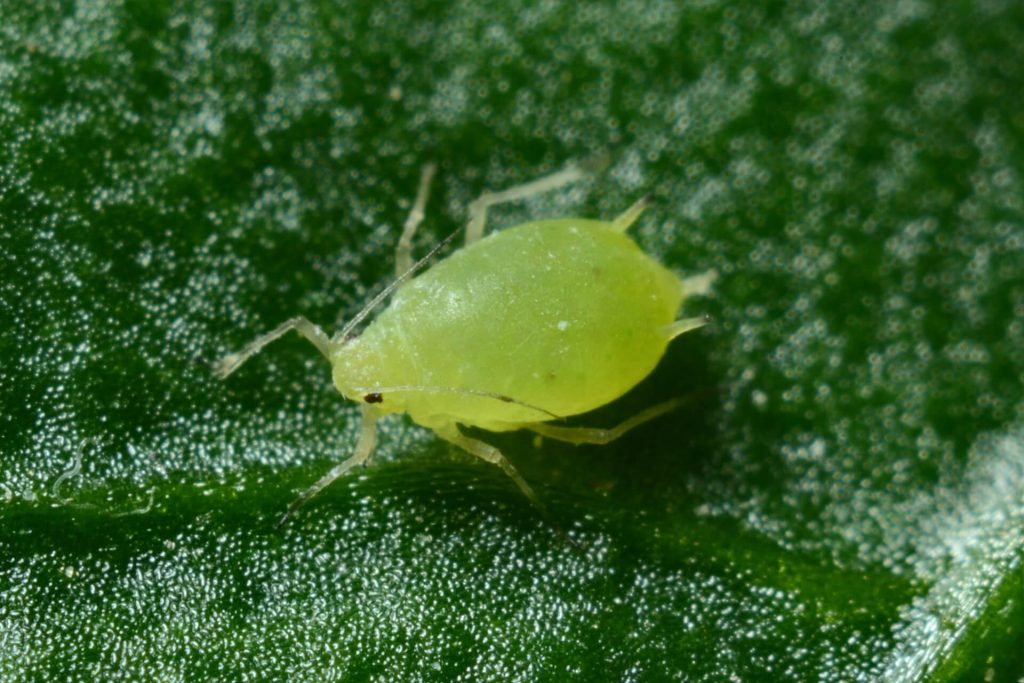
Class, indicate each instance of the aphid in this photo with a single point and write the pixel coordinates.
(515, 330)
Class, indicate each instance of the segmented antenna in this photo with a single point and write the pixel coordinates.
(375, 301)
(381, 391)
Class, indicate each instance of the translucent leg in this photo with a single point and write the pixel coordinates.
(492, 455)
(489, 453)
(364, 449)
(478, 207)
(403, 253)
(229, 363)
(581, 435)
(699, 285)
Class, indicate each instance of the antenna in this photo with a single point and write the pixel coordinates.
(375, 301)
(454, 390)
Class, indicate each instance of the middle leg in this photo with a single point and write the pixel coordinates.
(451, 434)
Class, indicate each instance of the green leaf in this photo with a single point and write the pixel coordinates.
(842, 498)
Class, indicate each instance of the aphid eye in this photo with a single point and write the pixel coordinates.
(373, 398)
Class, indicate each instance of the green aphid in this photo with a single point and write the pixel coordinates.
(515, 330)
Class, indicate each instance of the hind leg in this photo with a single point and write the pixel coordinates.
(582, 435)
(699, 285)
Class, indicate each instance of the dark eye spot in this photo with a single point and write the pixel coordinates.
(373, 398)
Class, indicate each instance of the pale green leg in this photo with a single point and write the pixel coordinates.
(478, 207)
(699, 285)
(229, 363)
(582, 435)
(403, 253)
(363, 451)
(451, 434)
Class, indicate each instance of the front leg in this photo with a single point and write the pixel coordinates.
(361, 455)
(229, 363)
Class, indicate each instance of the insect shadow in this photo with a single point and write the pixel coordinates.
(655, 466)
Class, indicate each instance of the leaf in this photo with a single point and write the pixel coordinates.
(839, 500)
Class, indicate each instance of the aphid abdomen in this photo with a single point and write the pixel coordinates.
(565, 315)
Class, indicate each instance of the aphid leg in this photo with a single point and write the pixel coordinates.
(699, 285)
(629, 216)
(403, 253)
(229, 363)
(364, 449)
(478, 207)
(686, 324)
(581, 435)
(451, 434)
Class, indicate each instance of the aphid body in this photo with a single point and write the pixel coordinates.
(516, 330)
(565, 315)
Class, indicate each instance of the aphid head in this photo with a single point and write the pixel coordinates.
(353, 363)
